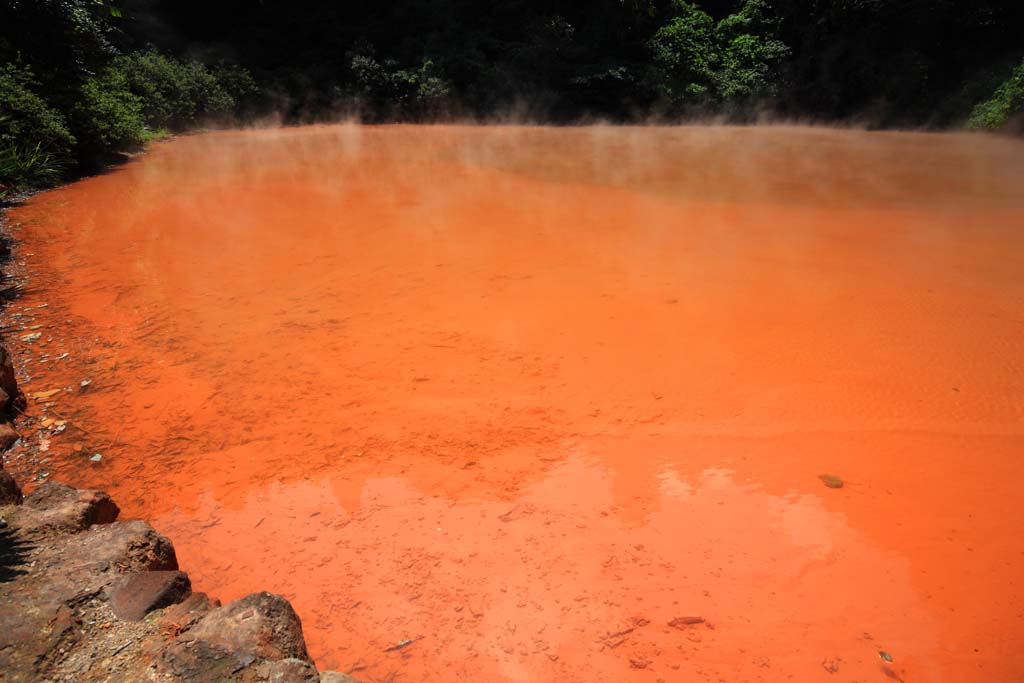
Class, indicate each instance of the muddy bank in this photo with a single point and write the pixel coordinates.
(90, 598)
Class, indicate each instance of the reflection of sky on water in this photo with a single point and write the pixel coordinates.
(498, 586)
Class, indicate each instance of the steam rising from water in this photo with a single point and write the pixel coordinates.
(516, 389)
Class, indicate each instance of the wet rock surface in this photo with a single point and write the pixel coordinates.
(89, 598)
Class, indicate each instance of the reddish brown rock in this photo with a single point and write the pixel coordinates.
(10, 494)
(53, 591)
(121, 547)
(8, 435)
(336, 677)
(261, 625)
(182, 616)
(201, 662)
(235, 641)
(11, 396)
(58, 507)
(288, 671)
(139, 594)
(65, 592)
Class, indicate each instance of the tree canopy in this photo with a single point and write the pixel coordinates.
(888, 62)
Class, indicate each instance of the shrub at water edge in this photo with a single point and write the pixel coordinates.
(1004, 108)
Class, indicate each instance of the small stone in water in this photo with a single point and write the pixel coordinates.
(682, 622)
(831, 481)
(400, 644)
(97, 457)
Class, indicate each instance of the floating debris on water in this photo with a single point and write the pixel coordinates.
(885, 656)
(96, 458)
(831, 481)
(43, 395)
(405, 642)
(31, 337)
(84, 383)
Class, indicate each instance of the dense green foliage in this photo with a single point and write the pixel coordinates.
(80, 79)
(73, 90)
(24, 115)
(731, 62)
(386, 87)
(883, 62)
(1006, 106)
(109, 115)
(174, 94)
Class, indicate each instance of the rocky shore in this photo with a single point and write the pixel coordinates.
(87, 597)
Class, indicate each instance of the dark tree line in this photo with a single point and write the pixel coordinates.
(80, 79)
(891, 62)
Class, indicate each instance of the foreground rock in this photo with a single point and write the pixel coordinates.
(55, 507)
(88, 598)
(10, 494)
(10, 395)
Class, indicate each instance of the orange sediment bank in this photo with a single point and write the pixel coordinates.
(527, 404)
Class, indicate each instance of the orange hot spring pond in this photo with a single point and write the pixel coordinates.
(536, 398)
